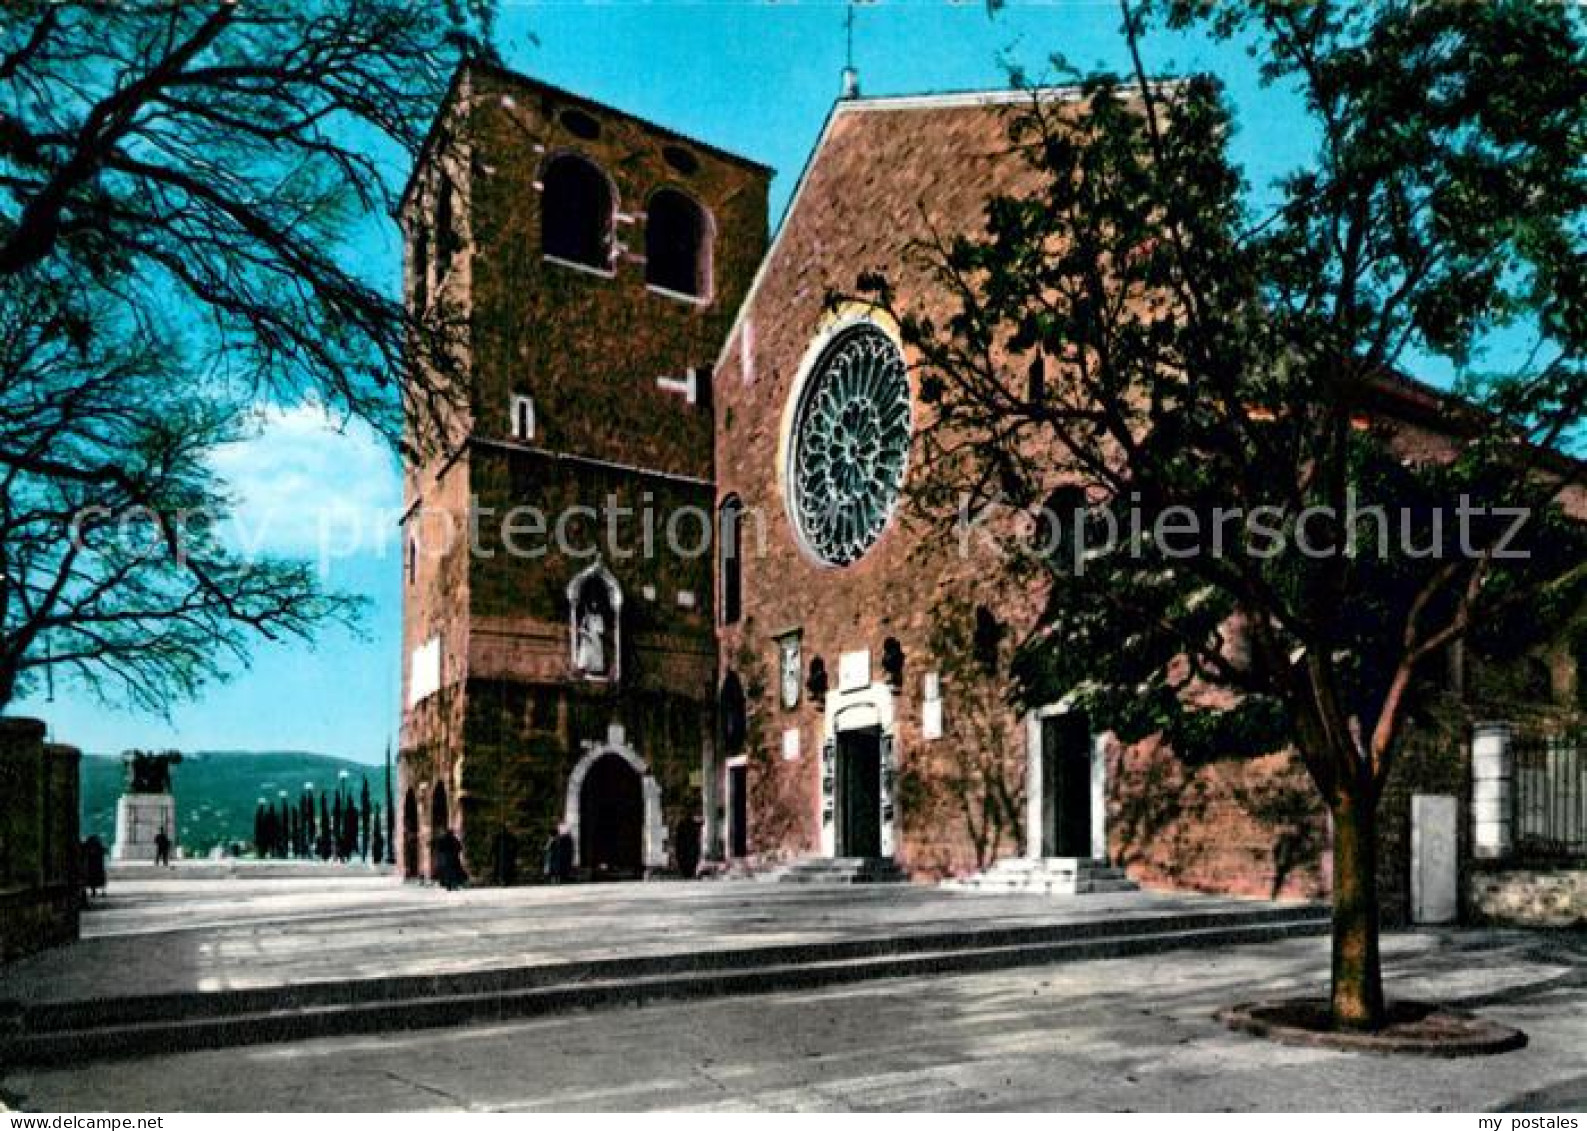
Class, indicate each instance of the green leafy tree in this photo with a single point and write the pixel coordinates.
(1138, 348)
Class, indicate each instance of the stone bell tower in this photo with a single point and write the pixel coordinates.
(559, 662)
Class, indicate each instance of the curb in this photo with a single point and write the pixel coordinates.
(1428, 1030)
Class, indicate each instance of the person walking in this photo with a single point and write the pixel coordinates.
(686, 838)
(449, 861)
(93, 867)
(162, 848)
(559, 856)
(504, 859)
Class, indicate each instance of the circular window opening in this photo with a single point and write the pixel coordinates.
(850, 445)
(580, 124)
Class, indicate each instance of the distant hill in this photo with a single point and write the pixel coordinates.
(217, 791)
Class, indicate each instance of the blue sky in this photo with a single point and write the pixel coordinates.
(757, 78)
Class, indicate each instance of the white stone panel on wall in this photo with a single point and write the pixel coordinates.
(1435, 865)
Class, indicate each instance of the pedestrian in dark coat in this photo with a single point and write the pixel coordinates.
(686, 840)
(93, 866)
(504, 858)
(449, 861)
(560, 856)
(162, 849)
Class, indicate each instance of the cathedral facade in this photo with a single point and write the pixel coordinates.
(803, 668)
(869, 654)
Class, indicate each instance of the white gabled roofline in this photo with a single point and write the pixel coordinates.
(847, 105)
(771, 248)
(955, 99)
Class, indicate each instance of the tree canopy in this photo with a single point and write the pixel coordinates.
(1199, 400)
(185, 190)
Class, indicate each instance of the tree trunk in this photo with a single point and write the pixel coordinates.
(1357, 968)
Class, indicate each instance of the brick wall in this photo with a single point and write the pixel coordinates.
(869, 191)
(1252, 827)
(590, 348)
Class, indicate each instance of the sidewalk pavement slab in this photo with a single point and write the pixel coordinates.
(1114, 1034)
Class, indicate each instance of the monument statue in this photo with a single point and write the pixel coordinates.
(146, 811)
(149, 773)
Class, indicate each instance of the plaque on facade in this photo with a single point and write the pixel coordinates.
(854, 671)
(790, 744)
(931, 707)
(790, 666)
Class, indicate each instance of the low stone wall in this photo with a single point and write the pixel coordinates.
(1529, 897)
(38, 839)
(34, 918)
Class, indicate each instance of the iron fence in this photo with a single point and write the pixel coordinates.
(1550, 795)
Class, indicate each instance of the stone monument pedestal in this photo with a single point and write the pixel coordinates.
(139, 819)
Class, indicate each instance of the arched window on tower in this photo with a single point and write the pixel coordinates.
(419, 258)
(677, 245)
(731, 561)
(576, 210)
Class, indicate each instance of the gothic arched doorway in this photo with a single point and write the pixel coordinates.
(612, 819)
(410, 836)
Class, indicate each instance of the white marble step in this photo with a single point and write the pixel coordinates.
(1047, 875)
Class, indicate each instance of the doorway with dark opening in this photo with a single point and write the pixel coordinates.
(859, 789)
(1066, 786)
(738, 811)
(410, 837)
(612, 820)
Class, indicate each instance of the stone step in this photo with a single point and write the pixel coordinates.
(78, 1014)
(841, 870)
(1051, 864)
(1018, 880)
(1048, 876)
(65, 1033)
(124, 870)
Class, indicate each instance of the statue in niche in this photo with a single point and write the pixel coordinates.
(595, 609)
(592, 626)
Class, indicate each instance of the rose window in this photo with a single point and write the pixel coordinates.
(850, 445)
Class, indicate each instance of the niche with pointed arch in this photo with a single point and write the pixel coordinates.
(595, 612)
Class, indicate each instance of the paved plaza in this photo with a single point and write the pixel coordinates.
(1093, 1032)
(1132, 1033)
(177, 935)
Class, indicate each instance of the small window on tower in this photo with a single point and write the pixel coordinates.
(447, 241)
(419, 258)
(729, 522)
(523, 417)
